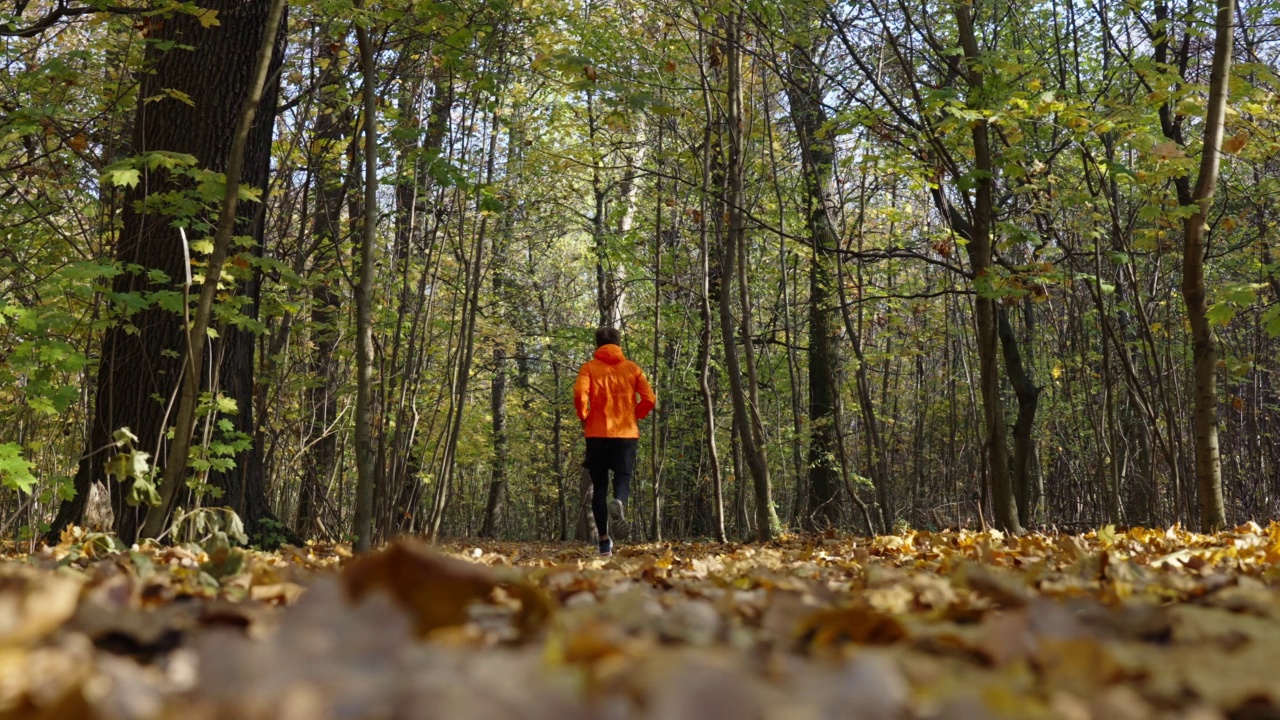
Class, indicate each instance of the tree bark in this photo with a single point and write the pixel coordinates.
(985, 320)
(141, 361)
(365, 452)
(704, 368)
(1204, 345)
(472, 267)
(1024, 387)
(817, 154)
(767, 524)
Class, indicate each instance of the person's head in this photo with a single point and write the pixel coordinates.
(606, 335)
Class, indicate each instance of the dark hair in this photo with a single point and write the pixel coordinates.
(606, 335)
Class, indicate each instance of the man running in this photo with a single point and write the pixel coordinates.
(605, 397)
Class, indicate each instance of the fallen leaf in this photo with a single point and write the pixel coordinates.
(436, 590)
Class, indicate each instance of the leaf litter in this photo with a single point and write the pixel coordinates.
(951, 625)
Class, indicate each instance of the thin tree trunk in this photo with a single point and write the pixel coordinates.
(980, 252)
(1204, 346)
(495, 508)
(365, 452)
(654, 464)
(752, 442)
(1028, 394)
(704, 362)
(319, 457)
(466, 350)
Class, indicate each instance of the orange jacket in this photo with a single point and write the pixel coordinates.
(605, 395)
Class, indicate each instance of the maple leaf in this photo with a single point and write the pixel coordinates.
(1235, 143)
(1167, 150)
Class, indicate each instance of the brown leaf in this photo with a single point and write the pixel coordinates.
(1003, 589)
(436, 589)
(1235, 143)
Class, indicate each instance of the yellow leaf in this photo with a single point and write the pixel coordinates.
(209, 19)
(179, 96)
(857, 624)
(1107, 535)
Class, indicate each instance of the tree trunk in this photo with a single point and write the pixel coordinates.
(365, 452)
(1028, 394)
(704, 381)
(980, 253)
(141, 360)
(495, 507)
(557, 456)
(818, 161)
(472, 266)
(767, 524)
(1204, 346)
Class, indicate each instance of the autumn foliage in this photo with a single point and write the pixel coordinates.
(1113, 624)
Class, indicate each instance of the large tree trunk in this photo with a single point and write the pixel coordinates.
(1204, 346)
(818, 160)
(142, 357)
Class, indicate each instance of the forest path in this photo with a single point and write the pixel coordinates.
(1135, 624)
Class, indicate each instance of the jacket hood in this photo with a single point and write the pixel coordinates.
(611, 354)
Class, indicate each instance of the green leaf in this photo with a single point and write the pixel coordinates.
(15, 472)
(143, 492)
(1220, 313)
(123, 176)
(1271, 320)
(1242, 293)
(1119, 170)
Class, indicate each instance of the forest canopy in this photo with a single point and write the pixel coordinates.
(888, 265)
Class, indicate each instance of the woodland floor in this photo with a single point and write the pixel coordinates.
(1116, 625)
